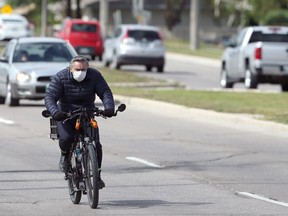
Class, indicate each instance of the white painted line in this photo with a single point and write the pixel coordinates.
(139, 160)
(260, 197)
(5, 121)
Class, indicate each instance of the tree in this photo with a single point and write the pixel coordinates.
(260, 10)
(173, 13)
(34, 16)
(68, 8)
(69, 12)
(78, 9)
(233, 12)
(276, 17)
(246, 12)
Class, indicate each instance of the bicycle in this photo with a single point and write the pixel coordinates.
(83, 173)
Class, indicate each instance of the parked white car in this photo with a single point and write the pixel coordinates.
(135, 45)
(14, 26)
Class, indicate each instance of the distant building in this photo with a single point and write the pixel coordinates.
(211, 30)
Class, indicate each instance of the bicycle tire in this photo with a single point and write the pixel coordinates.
(75, 195)
(92, 177)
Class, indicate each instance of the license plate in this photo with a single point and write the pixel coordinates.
(84, 50)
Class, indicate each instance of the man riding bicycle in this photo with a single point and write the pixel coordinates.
(71, 88)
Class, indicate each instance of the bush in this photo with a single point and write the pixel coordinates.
(276, 17)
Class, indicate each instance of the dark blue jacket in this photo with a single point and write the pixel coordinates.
(72, 94)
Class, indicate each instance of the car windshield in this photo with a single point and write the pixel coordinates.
(140, 35)
(47, 52)
(84, 27)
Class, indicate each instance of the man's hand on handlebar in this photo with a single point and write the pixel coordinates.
(108, 113)
(63, 116)
(60, 116)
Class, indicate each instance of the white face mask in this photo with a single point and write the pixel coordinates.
(79, 75)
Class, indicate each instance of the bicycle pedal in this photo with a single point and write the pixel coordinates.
(84, 192)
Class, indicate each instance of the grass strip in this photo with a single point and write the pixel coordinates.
(267, 106)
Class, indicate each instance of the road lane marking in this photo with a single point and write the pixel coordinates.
(260, 197)
(6, 121)
(139, 160)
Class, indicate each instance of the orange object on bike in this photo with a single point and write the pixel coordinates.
(77, 125)
(93, 122)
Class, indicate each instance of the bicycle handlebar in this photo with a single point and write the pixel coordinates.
(96, 111)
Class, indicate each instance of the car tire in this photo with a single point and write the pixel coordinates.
(2, 100)
(160, 69)
(115, 64)
(148, 68)
(224, 79)
(250, 80)
(10, 100)
(284, 87)
(106, 62)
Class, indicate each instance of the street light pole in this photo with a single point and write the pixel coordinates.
(104, 16)
(194, 14)
(44, 18)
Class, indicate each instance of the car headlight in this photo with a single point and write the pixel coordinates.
(23, 77)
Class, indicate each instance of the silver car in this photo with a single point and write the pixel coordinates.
(27, 65)
(135, 45)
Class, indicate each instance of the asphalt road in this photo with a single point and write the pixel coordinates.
(160, 159)
(194, 73)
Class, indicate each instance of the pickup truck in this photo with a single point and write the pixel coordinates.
(257, 54)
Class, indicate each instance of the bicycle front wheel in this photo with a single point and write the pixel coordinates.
(92, 177)
(73, 181)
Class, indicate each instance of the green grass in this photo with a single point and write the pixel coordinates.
(182, 46)
(270, 106)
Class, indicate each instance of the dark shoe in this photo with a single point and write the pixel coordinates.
(64, 164)
(101, 184)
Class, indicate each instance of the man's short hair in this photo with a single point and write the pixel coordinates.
(81, 59)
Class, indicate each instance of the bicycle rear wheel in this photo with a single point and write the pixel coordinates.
(92, 177)
(73, 181)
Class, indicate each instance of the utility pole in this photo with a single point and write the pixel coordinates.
(44, 18)
(194, 14)
(104, 16)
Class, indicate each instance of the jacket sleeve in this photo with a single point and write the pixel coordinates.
(53, 94)
(104, 92)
